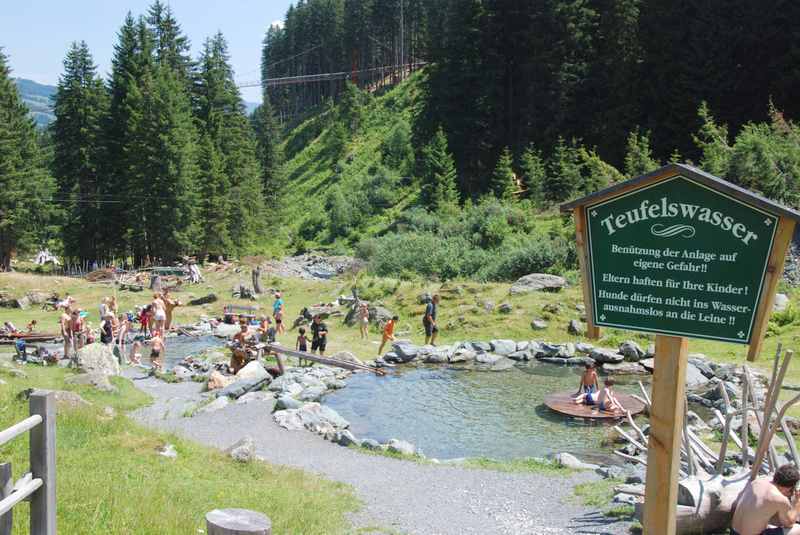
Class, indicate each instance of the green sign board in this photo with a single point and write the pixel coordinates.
(680, 258)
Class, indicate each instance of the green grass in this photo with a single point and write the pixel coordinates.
(111, 479)
(525, 466)
(599, 494)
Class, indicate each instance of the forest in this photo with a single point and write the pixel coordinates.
(517, 106)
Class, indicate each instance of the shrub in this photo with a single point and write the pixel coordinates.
(531, 256)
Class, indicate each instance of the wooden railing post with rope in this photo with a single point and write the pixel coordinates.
(38, 485)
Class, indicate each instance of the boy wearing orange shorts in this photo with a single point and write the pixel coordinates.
(388, 332)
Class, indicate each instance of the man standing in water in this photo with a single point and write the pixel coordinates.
(429, 321)
(157, 350)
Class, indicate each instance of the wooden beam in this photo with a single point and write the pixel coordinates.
(43, 463)
(592, 330)
(281, 350)
(783, 236)
(666, 424)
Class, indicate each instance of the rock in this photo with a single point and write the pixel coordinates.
(243, 386)
(347, 357)
(254, 397)
(631, 351)
(109, 412)
(648, 364)
(182, 373)
(391, 357)
(583, 347)
(401, 446)
(217, 380)
(405, 351)
(205, 300)
(625, 498)
(288, 419)
(487, 358)
(436, 358)
(22, 303)
(94, 379)
(505, 308)
(610, 472)
(243, 451)
(701, 362)
(576, 328)
(37, 298)
(651, 351)
(624, 368)
(481, 347)
(538, 325)
(553, 360)
(537, 282)
(502, 365)
(462, 355)
(523, 346)
(635, 479)
(67, 399)
(219, 403)
(424, 298)
(346, 438)
(570, 461)
(521, 355)
(225, 330)
(606, 356)
(551, 308)
(317, 418)
(332, 383)
(486, 304)
(503, 347)
(97, 358)
(580, 307)
(579, 361)
(312, 393)
(780, 303)
(379, 315)
(254, 370)
(287, 402)
(169, 451)
(370, 444)
(694, 377)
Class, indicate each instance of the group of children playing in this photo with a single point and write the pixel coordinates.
(589, 392)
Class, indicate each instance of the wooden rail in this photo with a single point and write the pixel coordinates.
(347, 365)
(39, 485)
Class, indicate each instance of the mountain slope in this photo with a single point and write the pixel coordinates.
(38, 99)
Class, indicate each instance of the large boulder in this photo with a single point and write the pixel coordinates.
(694, 377)
(243, 451)
(312, 416)
(624, 368)
(568, 460)
(254, 370)
(576, 328)
(504, 347)
(216, 380)
(487, 358)
(538, 325)
(780, 303)
(462, 355)
(606, 356)
(536, 282)
(701, 362)
(243, 386)
(97, 358)
(226, 330)
(405, 351)
(96, 380)
(346, 356)
(481, 347)
(631, 351)
(401, 447)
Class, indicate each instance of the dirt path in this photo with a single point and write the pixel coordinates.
(399, 496)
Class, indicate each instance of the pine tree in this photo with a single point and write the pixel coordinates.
(26, 187)
(170, 45)
(269, 151)
(214, 210)
(438, 189)
(564, 172)
(80, 107)
(503, 177)
(639, 157)
(534, 173)
(712, 140)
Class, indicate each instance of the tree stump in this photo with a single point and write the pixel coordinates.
(237, 522)
(257, 280)
(155, 283)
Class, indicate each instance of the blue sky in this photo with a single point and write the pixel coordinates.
(36, 33)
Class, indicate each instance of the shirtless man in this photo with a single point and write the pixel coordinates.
(764, 500)
(157, 350)
(170, 305)
(159, 313)
(66, 331)
(239, 351)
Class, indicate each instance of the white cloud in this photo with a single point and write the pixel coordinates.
(277, 23)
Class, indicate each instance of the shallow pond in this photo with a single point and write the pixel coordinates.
(450, 413)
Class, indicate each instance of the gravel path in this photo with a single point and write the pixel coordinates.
(401, 496)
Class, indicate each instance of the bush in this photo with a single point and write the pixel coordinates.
(312, 227)
(532, 256)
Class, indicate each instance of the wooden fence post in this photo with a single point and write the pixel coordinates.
(6, 485)
(43, 463)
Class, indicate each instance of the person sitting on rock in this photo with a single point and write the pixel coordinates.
(766, 502)
(589, 383)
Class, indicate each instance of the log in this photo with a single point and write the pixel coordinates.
(772, 398)
(237, 522)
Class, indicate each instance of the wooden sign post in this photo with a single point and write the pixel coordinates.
(678, 253)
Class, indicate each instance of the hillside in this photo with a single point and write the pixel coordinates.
(37, 97)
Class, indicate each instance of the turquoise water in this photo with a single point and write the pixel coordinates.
(449, 413)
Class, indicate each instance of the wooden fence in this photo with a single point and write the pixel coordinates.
(38, 485)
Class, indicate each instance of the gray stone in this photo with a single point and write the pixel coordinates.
(548, 350)
(95, 380)
(405, 351)
(502, 365)
(523, 346)
(346, 438)
(583, 347)
(651, 351)
(169, 451)
(181, 373)
(520, 355)
(701, 362)
(391, 357)
(214, 406)
(624, 368)
(243, 451)
(254, 397)
(570, 461)
(487, 358)
(67, 399)
(780, 303)
(98, 358)
(225, 330)
(505, 308)
(551, 308)
(424, 298)
(242, 387)
(347, 356)
(332, 383)
(537, 282)
(576, 328)
(552, 360)
(205, 300)
(435, 358)
(648, 364)
(625, 498)
(370, 444)
(631, 351)
(580, 307)
(579, 361)
(287, 402)
(635, 479)
(503, 347)
(401, 446)
(606, 356)
(312, 393)
(538, 325)
(610, 472)
(694, 377)
(462, 355)
(481, 347)
(254, 370)
(22, 303)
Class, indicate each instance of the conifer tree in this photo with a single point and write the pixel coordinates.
(712, 140)
(269, 151)
(26, 187)
(171, 47)
(214, 210)
(502, 180)
(439, 174)
(534, 173)
(639, 157)
(80, 107)
(563, 171)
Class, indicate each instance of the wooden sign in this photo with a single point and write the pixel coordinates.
(679, 253)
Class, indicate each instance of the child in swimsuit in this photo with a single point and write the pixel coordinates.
(607, 401)
(588, 387)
